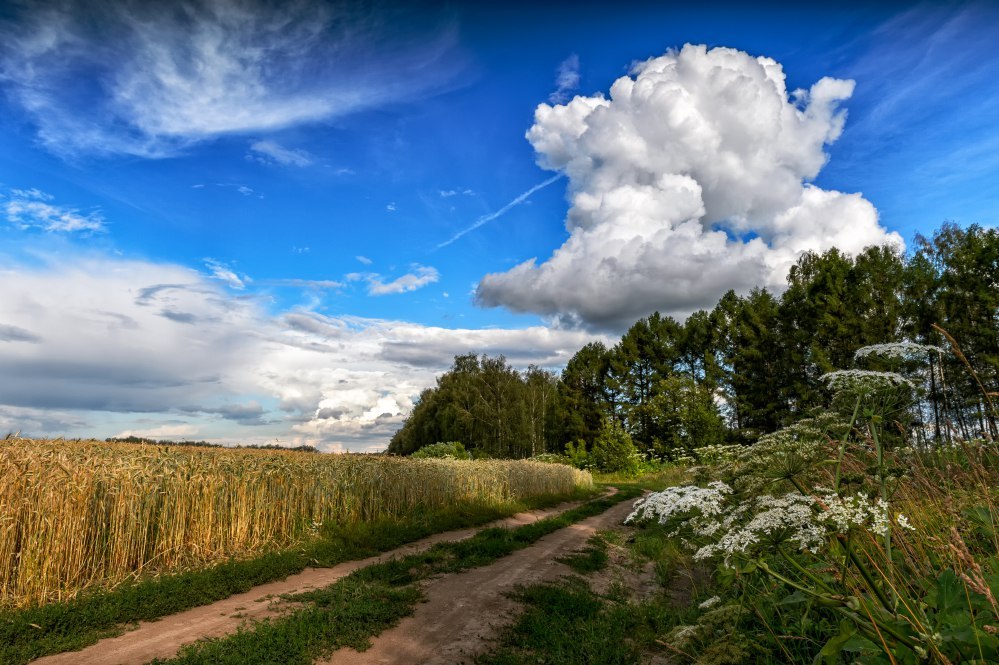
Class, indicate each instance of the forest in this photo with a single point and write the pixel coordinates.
(750, 365)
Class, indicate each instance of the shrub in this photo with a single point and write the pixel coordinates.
(442, 450)
(614, 451)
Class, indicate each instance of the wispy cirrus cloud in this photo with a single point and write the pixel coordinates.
(566, 80)
(274, 153)
(34, 209)
(224, 273)
(150, 79)
(419, 277)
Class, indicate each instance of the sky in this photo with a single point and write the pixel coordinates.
(261, 222)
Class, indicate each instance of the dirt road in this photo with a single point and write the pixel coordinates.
(464, 611)
(164, 637)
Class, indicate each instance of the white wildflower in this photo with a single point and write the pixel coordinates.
(681, 502)
(903, 522)
(864, 380)
(897, 350)
(789, 518)
(709, 603)
(854, 511)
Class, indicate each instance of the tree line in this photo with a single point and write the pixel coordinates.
(750, 365)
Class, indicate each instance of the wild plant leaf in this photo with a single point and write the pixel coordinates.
(794, 599)
(948, 595)
(829, 653)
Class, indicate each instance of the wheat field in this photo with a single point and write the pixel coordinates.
(76, 515)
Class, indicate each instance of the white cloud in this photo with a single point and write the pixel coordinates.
(377, 286)
(390, 207)
(691, 178)
(33, 209)
(566, 80)
(271, 151)
(224, 273)
(161, 350)
(363, 259)
(150, 79)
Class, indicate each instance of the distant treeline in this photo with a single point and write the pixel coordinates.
(206, 444)
(747, 367)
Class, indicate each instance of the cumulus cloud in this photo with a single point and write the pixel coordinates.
(363, 259)
(34, 209)
(566, 80)
(411, 281)
(273, 152)
(691, 178)
(150, 79)
(165, 351)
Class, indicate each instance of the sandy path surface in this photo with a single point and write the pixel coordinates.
(164, 637)
(464, 611)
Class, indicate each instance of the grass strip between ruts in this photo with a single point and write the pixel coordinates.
(363, 604)
(30, 633)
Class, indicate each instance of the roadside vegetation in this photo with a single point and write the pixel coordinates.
(840, 538)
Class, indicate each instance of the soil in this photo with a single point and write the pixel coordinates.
(463, 613)
(164, 637)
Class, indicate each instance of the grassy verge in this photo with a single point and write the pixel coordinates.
(372, 599)
(565, 622)
(35, 632)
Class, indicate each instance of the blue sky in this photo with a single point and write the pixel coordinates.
(235, 222)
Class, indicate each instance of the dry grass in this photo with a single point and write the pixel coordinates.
(81, 514)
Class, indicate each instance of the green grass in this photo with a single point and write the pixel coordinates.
(372, 599)
(590, 559)
(31, 633)
(565, 623)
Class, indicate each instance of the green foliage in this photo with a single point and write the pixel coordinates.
(614, 451)
(489, 406)
(750, 365)
(442, 450)
(577, 455)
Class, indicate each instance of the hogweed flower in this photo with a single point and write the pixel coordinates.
(777, 520)
(862, 380)
(685, 501)
(709, 603)
(897, 350)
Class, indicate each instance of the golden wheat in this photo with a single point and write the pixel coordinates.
(80, 514)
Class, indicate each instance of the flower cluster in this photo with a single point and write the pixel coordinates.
(717, 453)
(775, 520)
(897, 350)
(684, 502)
(862, 380)
(847, 512)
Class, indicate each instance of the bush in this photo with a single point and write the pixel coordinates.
(442, 450)
(614, 451)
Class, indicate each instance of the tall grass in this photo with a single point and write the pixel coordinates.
(81, 514)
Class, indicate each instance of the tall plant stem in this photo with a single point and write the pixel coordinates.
(842, 443)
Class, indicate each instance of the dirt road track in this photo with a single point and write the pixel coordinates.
(464, 611)
(164, 638)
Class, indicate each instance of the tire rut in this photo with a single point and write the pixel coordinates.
(464, 612)
(164, 637)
